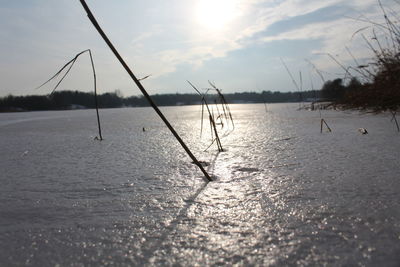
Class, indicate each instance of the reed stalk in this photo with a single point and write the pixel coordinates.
(95, 95)
(224, 104)
(326, 124)
(211, 118)
(70, 64)
(395, 120)
(142, 89)
(318, 71)
(299, 88)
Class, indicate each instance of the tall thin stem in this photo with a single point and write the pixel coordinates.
(141, 88)
(395, 120)
(95, 95)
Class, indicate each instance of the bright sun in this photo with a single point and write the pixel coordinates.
(215, 14)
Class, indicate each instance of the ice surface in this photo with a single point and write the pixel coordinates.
(285, 194)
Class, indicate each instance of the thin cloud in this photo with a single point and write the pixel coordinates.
(164, 40)
(256, 17)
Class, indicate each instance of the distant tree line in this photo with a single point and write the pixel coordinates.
(337, 91)
(61, 100)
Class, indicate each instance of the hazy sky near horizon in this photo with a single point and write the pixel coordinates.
(237, 44)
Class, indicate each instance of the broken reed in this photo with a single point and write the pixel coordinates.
(395, 119)
(141, 88)
(326, 124)
(211, 119)
(225, 107)
(70, 64)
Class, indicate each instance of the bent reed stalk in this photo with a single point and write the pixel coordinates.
(299, 88)
(326, 124)
(71, 64)
(225, 106)
(141, 88)
(211, 118)
(395, 119)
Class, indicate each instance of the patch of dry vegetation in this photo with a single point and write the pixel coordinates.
(382, 91)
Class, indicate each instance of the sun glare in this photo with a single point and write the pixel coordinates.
(215, 14)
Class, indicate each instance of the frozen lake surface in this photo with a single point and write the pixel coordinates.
(285, 194)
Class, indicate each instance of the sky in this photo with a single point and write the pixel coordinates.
(239, 45)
